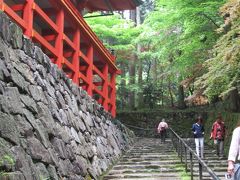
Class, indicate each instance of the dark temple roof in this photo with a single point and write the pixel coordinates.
(107, 5)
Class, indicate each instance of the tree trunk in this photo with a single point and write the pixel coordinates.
(181, 103)
(122, 91)
(154, 71)
(162, 90)
(140, 84)
(140, 67)
(170, 93)
(132, 73)
(149, 64)
(132, 70)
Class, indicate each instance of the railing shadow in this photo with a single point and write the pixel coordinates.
(184, 150)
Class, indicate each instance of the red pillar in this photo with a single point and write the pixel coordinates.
(75, 62)
(28, 17)
(59, 39)
(90, 70)
(113, 94)
(1, 5)
(105, 87)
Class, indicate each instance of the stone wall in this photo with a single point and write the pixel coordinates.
(49, 127)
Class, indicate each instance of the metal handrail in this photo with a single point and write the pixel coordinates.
(179, 149)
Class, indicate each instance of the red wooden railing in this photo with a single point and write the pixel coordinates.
(59, 29)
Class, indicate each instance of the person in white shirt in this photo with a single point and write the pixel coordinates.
(162, 129)
(234, 155)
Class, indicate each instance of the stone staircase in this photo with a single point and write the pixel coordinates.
(149, 159)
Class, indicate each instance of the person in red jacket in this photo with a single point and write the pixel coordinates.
(218, 134)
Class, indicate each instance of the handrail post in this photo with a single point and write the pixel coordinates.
(181, 153)
(178, 147)
(200, 171)
(174, 141)
(185, 152)
(191, 165)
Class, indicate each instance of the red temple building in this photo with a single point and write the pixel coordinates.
(58, 27)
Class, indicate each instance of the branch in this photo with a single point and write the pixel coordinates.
(209, 18)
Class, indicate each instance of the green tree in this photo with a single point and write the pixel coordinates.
(178, 35)
(222, 77)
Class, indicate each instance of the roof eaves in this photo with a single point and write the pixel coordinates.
(137, 2)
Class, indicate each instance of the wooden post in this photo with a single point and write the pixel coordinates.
(76, 61)
(105, 87)
(1, 5)
(59, 39)
(113, 94)
(90, 70)
(28, 17)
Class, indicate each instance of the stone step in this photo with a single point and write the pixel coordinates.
(169, 155)
(162, 153)
(142, 178)
(218, 169)
(143, 175)
(142, 169)
(211, 164)
(157, 162)
(132, 160)
(221, 175)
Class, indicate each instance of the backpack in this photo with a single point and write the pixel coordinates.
(162, 129)
(220, 131)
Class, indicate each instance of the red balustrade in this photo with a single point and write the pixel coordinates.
(59, 29)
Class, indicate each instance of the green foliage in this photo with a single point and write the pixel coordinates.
(116, 33)
(7, 159)
(186, 27)
(223, 68)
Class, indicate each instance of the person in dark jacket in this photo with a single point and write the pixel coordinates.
(198, 131)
